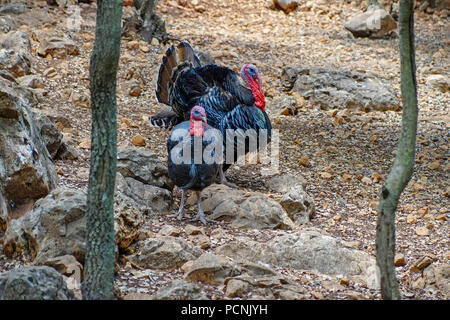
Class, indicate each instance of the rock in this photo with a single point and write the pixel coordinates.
(67, 152)
(422, 231)
(268, 286)
(308, 249)
(245, 210)
(180, 290)
(164, 253)
(437, 277)
(399, 260)
(31, 81)
(211, 268)
(138, 141)
(17, 41)
(133, 88)
(147, 198)
(50, 134)
(57, 47)
(144, 166)
(286, 5)
(237, 288)
(137, 296)
(15, 62)
(439, 82)
(284, 105)
(128, 219)
(339, 89)
(422, 263)
(66, 265)
(214, 269)
(168, 230)
(376, 23)
(33, 283)
(12, 8)
(192, 230)
(283, 183)
(7, 23)
(71, 270)
(304, 161)
(298, 204)
(56, 226)
(78, 99)
(201, 240)
(26, 171)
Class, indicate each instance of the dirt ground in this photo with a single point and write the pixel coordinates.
(356, 153)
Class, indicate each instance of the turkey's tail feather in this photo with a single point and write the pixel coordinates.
(165, 119)
(176, 59)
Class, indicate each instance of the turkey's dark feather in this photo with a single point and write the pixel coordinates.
(190, 175)
(227, 102)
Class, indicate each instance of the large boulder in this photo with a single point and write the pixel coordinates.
(144, 166)
(56, 226)
(374, 23)
(249, 210)
(215, 269)
(147, 198)
(26, 170)
(306, 250)
(331, 89)
(33, 283)
(57, 47)
(164, 253)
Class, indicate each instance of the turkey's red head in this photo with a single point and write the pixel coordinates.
(198, 116)
(250, 74)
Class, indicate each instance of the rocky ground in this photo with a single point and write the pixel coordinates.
(343, 153)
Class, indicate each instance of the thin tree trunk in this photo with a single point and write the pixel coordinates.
(99, 269)
(403, 166)
(152, 26)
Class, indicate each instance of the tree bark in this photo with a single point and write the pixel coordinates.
(403, 166)
(152, 24)
(99, 269)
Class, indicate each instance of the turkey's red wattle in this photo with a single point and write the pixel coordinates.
(196, 128)
(258, 94)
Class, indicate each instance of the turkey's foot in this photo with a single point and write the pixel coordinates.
(224, 181)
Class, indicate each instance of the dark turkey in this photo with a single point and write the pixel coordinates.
(229, 104)
(194, 149)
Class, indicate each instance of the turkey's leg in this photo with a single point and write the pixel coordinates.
(181, 214)
(224, 181)
(200, 215)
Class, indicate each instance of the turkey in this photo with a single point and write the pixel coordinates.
(183, 83)
(194, 156)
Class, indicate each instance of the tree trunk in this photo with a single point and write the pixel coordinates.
(403, 165)
(152, 24)
(99, 269)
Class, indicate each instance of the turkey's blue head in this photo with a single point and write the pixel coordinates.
(250, 74)
(198, 116)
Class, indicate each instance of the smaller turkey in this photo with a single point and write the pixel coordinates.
(195, 153)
